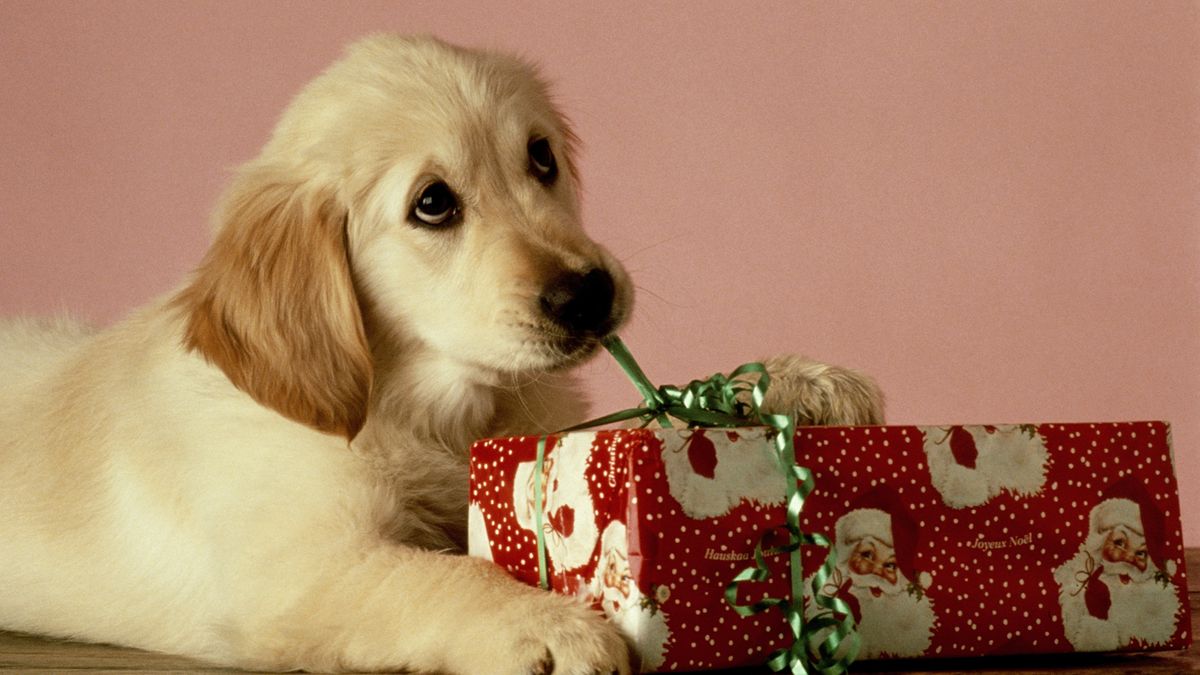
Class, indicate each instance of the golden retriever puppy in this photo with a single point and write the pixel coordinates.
(267, 467)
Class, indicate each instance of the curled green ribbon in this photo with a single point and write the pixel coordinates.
(719, 401)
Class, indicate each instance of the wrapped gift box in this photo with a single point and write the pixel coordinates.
(949, 541)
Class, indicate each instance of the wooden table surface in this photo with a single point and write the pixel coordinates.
(25, 654)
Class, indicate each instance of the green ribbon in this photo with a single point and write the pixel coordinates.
(543, 577)
(719, 401)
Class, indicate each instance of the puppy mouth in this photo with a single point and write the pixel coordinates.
(553, 349)
(569, 350)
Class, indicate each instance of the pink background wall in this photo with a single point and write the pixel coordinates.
(993, 207)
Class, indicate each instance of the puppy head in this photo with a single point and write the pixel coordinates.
(426, 188)
(467, 235)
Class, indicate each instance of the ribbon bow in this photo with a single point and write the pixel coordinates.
(721, 401)
(713, 402)
(1096, 596)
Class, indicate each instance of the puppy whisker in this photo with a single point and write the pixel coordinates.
(642, 289)
(625, 259)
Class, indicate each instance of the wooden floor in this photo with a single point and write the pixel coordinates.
(25, 654)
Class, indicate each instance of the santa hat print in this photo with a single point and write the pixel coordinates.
(881, 514)
(969, 465)
(963, 448)
(1128, 503)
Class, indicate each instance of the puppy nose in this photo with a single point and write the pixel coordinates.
(581, 303)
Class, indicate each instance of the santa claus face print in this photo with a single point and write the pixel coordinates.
(875, 546)
(891, 621)
(570, 540)
(970, 465)
(873, 558)
(641, 619)
(1112, 591)
(615, 577)
(527, 508)
(1125, 547)
(711, 472)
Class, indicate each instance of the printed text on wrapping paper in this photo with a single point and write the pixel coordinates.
(1014, 541)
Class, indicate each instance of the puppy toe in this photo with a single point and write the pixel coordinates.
(583, 642)
(553, 634)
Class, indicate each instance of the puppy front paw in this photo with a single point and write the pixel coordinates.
(558, 635)
(819, 394)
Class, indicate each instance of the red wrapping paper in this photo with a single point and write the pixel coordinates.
(950, 541)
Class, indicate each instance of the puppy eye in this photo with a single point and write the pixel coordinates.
(541, 161)
(435, 206)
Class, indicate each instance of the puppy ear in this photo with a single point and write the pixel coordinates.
(274, 305)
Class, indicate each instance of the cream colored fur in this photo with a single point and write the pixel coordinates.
(267, 467)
